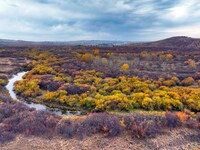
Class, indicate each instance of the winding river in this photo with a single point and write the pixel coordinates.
(10, 88)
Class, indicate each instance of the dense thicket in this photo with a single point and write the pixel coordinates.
(86, 80)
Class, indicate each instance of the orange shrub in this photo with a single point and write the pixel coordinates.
(182, 116)
(169, 56)
(96, 52)
(187, 81)
(124, 67)
(87, 57)
(109, 55)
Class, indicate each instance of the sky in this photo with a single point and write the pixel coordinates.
(122, 20)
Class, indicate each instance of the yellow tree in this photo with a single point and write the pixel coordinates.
(187, 81)
(86, 57)
(96, 52)
(124, 67)
(109, 54)
(169, 56)
(104, 61)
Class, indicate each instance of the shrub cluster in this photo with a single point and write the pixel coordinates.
(137, 125)
(94, 91)
(3, 82)
(16, 118)
(28, 88)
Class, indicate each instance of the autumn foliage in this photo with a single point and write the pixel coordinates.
(94, 91)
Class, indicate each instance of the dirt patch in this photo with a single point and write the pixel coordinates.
(171, 140)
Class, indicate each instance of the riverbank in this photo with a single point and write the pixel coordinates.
(34, 103)
(13, 66)
(10, 63)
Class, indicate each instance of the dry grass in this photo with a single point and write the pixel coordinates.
(175, 139)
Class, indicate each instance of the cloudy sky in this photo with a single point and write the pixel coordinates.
(127, 20)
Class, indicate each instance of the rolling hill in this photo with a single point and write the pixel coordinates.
(179, 42)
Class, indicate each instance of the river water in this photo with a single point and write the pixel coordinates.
(10, 88)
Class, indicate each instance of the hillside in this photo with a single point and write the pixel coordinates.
(175, 43)
(179, 42)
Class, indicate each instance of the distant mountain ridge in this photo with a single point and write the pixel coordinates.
(80, 42)
(178, 42)
(181, 42)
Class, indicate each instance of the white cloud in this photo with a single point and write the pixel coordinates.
(181, 12)
(185, 30)
(97, 19)
(178, 13)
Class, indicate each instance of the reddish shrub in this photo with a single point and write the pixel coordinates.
(51, 122)
(66, 129)
(9, 109)
(104, 123)
(74, 89)
(50, 85)
(3, 98)
(182, 116)
(192, 123)
(137, 131)
(143, 126)
(152, 129)
(31, 123)
(172, 120)
(31, 126)
(6, 136)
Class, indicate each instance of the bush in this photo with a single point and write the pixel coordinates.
(28, 88)
(18, 118)
(116, 101)
(147, 103)
(169, 83)
(108, 125)
(96, 52)
(124, 67)
(50, 85)
(137, 131)
(172, 120)
(54, 96)
(143, 126)
(187, 81)
(3, 82)
(87, 57)
(74, 89)
(152, 129)
(50, 96)
(32, 125)
(42, 69)
(66, 129)
(192, 123)
(193, 103)
(6, 136)
(10, 109)
(4, 99)
(144, 130)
